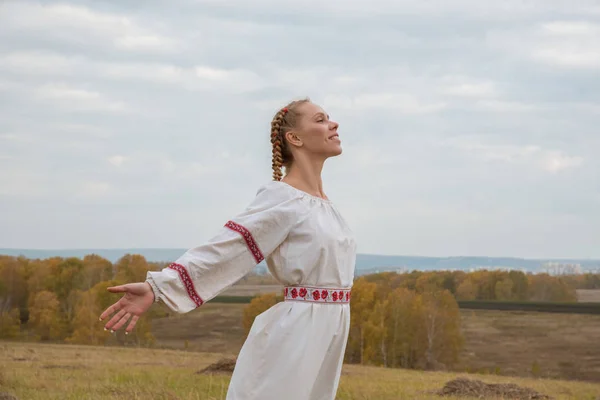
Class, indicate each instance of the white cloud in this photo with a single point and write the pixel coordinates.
(402, 103)
(564, 56)
(411, 8)
(80, 130)
(565, 44)
(549, 160)
(13, 137)
(204, 77)
(555, 161)
(474, 90)
(40, 63)
(77, 24)
(77, 99)
(157, 73)
(507, 106)
(571, 28)
(93, 189)
(117, 160)
(574, 44)
(144, 42)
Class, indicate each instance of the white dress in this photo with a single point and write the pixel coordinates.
(295, 349)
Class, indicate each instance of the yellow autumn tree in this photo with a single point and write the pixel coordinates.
(40, 277)
(44, 316)
(131, 268)
(258, 305)
(520, 284)
(405, 331)
(10, 324)
(544, 287)
(429, 281)
(13, 283)
(467, 290)
(441, 321)
(86, 327)
(362, 305)
(376, 335)
(95, 269)
(504, 289)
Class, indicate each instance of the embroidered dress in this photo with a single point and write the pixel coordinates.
(295, 349)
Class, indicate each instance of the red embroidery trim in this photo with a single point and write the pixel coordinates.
(250, 242)
(319, 295)
(187, 282)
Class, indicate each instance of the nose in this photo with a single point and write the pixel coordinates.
(333, 125)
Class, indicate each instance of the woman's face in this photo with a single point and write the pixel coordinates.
(315, 133)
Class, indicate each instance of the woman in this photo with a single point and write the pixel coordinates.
(294, 350)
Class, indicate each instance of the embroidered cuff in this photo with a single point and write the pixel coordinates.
(154, 289)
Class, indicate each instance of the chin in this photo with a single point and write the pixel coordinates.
(336, 152)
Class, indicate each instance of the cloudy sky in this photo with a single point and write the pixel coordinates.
(469, 127)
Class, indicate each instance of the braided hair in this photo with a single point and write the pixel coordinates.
(284, 120)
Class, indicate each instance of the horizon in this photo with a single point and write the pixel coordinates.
(126, 249)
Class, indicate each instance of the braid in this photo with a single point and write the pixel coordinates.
(276, 141)
(283, 121)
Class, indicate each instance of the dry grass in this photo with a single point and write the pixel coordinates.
(515, 343)
(214, 327)
(588, 295)
(526, 343)
(252, 290)
(38, 371)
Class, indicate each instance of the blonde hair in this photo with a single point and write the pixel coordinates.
(284, 120)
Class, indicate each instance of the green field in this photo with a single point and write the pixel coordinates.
(69, 372)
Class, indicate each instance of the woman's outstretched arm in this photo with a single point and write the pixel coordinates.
(204, 271)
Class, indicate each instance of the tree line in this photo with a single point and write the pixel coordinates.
(408, 320)
(60, 299)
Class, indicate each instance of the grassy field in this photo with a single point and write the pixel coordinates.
(68, 372)
(527, 343)
(251, 290)
(588, 295)
(514, 343)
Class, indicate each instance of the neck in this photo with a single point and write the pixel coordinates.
(305, 174)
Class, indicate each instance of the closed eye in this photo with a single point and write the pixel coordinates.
(321, 117)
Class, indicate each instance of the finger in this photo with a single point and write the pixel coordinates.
(112, 309)
(131, 324)
(122, 321)
(114, 320)
(118, 289)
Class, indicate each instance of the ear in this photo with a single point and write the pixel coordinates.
(293, 139)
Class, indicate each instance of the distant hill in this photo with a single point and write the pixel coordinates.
(365, 263)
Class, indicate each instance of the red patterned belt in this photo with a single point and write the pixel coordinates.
(316, 294)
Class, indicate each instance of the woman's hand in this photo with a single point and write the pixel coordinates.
(137, 300)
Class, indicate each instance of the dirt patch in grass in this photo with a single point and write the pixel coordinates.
(52, 366)
(481, 390)
(223, 366)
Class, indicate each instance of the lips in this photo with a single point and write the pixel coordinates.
(335, 135)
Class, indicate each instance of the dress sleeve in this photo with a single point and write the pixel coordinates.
(204, 271)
